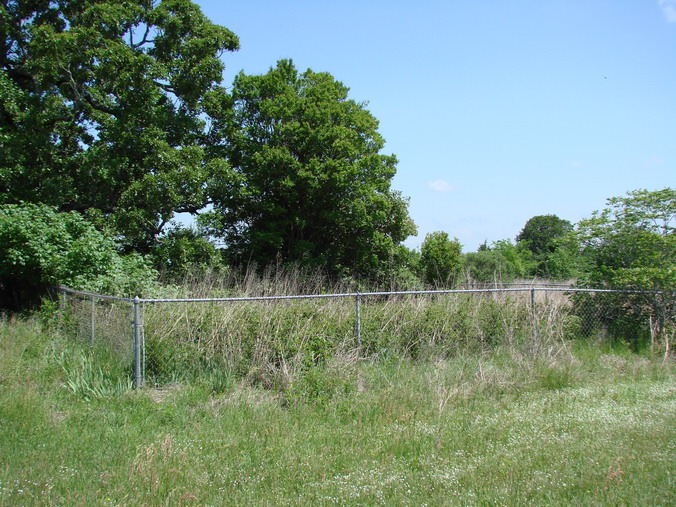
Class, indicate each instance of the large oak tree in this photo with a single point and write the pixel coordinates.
(309, 182)
(102, 108)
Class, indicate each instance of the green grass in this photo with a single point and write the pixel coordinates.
(590, 425)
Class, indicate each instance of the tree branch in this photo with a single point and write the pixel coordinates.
(143, 41)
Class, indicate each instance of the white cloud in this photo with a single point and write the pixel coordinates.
(668, 9)
(441, 186)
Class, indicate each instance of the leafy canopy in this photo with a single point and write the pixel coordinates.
(502, 261)
(440, 259)
(548, 238)
(103, 108)
(308, 181)
(632, 245)
(541, 232)
(181, 251)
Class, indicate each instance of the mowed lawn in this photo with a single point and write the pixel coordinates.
(583, 425)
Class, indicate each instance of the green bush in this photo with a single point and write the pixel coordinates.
(440, 259)
(632, 245)
(40, 247)
(503, 261)
(181, 251)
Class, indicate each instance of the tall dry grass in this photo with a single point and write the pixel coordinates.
(275, 342)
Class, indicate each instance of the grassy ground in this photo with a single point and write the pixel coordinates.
(589, 425)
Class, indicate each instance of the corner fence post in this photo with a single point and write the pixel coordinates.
(357, 326)
(138, 380)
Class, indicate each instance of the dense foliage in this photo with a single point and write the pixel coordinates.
(41, 247)
(309, 182)
(181, 251)
(103, 108)
(546, 237)
(632, 244)
(503, 261)
(541, 232)
(114, 109)
(113, 119)
(440, 259)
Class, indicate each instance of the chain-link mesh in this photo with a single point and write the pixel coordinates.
(268, 339)
(261, 339)
(105, 324)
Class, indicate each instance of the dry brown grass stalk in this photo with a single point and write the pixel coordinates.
(273, 342)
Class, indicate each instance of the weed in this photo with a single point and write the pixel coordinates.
(86, 379)
(584, 425)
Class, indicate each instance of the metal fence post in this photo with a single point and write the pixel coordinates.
(534, 319)
(358, 320)
(138, 380)
(143, 342)
(62, 308)
(62, 301)
(91, 321)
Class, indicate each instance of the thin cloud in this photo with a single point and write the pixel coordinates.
(668, 9)
(441, 186)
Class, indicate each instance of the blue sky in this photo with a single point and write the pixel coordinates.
(497, 110)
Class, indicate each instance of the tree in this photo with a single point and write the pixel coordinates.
(440, 259)
(544, 236)
(563, 262)
(181, 250)
(40, 247)
(486, 266)
(309, 182)
(503, 262)
(103, 108)
(541, 232)
(632, 245)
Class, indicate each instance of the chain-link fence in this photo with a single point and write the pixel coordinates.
(103, 322)
(165, 340)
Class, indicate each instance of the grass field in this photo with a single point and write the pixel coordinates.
(589, 425)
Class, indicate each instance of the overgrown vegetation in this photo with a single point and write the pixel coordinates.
(587, 423)
(105, 109)
(632, 244)
(273, 343)
(544, 236)
(40, 247)
(113, 118)
(117, 110)
(309, 182)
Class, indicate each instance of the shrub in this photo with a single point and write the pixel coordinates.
(440, 259)
(183, 250)
(503, 261)
(632, 245)
(40, 247)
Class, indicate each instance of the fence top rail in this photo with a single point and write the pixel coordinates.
(91, 294)
(352, 294)
(618, 291)
(386, 293)
(326, 296)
